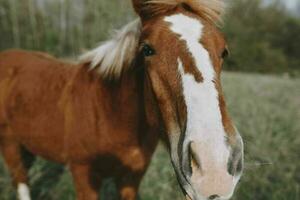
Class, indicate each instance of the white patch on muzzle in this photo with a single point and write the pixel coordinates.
(23, 192)
(204, 120)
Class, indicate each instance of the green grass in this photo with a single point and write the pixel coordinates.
(266, 109)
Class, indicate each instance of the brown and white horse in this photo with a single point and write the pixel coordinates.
(159, 77)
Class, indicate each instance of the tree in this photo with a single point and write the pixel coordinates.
(13, 5)
(262, 38)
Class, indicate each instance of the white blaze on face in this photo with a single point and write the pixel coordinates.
(204, 120)
(23, 192)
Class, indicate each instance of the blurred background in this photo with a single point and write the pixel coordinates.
(261, 83)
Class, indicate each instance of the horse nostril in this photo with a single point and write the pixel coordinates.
(236, 161)
(212, 197)
(235, 165)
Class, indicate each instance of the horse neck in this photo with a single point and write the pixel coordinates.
(122, 98)
(137, 97)
(125, 102)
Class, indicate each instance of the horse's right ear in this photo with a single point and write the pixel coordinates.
(139, 7)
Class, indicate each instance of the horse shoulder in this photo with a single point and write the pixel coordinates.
(78, 106)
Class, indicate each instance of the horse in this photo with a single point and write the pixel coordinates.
(157, 78)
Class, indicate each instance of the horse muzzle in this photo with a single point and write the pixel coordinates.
(204, 177)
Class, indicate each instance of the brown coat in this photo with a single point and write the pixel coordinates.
(66, 113)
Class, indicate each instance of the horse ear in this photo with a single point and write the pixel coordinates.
(138, 6)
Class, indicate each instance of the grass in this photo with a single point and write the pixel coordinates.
(266, 109)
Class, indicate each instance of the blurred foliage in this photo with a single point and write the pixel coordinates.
(262, 38)
(60, 27)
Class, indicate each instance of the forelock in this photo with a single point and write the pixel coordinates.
(210, 10)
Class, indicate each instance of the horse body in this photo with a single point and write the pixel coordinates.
(159, 76)
(67, 114)
(29, 99)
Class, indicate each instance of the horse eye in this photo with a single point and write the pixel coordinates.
(225, 53)
(148, 50)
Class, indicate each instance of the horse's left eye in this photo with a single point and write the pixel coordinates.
(148, 50)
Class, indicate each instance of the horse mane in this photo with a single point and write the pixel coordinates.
(117, 54)
(211, 10)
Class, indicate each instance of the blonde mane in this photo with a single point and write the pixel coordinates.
(117, 54)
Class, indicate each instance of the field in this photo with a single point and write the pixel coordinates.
(266, 110)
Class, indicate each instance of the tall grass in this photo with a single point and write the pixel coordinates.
(266, 110)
